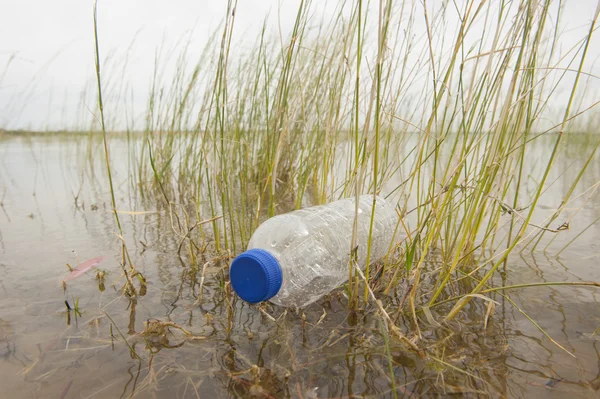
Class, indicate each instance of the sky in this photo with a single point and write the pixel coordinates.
(47, 53)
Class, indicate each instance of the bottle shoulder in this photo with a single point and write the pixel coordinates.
(277, 233)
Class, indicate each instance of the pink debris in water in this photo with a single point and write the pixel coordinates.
(84, 267)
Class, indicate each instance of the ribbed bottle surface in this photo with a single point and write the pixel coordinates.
(312, 245)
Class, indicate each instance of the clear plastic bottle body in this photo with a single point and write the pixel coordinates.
(312, 245)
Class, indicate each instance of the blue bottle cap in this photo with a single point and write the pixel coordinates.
(255, 275)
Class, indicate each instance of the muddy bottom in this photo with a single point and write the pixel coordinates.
(184, 337)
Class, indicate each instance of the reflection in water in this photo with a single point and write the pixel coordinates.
(187, 335)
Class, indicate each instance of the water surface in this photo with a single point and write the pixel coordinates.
(55, 197)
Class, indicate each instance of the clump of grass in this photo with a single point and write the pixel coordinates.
(236, 138)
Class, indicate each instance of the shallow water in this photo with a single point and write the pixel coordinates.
(240, 350)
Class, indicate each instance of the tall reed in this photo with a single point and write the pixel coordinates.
(129, 287)
(331, 111)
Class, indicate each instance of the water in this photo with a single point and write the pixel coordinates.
(324, 352)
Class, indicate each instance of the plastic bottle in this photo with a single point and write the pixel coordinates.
(295, 258)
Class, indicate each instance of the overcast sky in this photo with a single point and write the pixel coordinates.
(46, 47)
